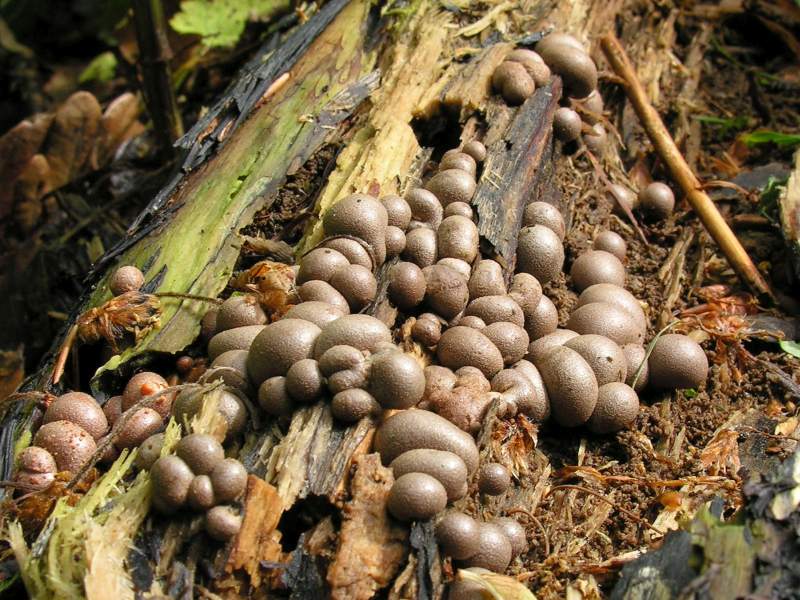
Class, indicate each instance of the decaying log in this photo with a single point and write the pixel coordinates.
(789, 212)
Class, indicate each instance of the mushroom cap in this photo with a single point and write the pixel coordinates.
(459, 208)
(575, 67)
(622, 194)
(515, 534)
(452, 185)
(201, 452)
(458, 535)
(464, 346)
(612, 243)
(457, 237)
(273, 398)
(495, 309)
(606, 319)
(513, 82)
(171, 479)
(657, 200)
(126, 279)
(425, 207)
(353, 404)
(81, 409)
(446, 292)
(406, 285)
(541, 410)
(495, 549)
(150, 451)
(420, 247)
(222, 523)
(320, 264)
(397, 210)
(316, 312)
(411, 429)
(361, 216)
(304, 381)
(322, 291)
(476, 150)
(544, 213)
(597, 266)
(427, 329)
(353, 250)
(533, 63)
(512, 340)
(455, 159)
(340, 358)
(240, 311)
(144, 423)
(571, 386)
(395, 241)
(230, 367)
(539, 348)
(542, 320)
(567, 124)
(363, 332)
(676, 362)
(540, 253)
(396, 380)
(112, 409)
(617, 407)
(239, 338)
(486, 280)
(604, 356)
(493, 479)
(201, 493)
(416, 497)
(280, 345)
(635, 355)
(447, 468)
(229, 478)
(144, 384)
(357, 284)
(618, 296)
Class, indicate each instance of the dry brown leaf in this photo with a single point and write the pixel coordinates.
(721, 455)
(17, 147)
(72, 137)
(118, 124)
(12, 371)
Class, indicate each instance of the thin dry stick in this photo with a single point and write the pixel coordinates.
(681, 173)
(633, 516)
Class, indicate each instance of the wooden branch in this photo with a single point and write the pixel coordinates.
(681, 173)
(789, 211)
(154, 57)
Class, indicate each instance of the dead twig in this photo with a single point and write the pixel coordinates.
(681, 173)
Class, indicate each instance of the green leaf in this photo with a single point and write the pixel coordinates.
(766, 136)
(792, 348)
(220, 23)
(725, 125)
(102, 68)
(690, 393)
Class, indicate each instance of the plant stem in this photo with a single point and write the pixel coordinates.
(154, 57)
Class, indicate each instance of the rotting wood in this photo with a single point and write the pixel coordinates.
(789, 212)
(681, 173)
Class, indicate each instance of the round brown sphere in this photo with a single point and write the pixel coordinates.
(543, 320)
(126, 279)
(604, 356)
(273, 398)
(144, 423)
(511, 339)
(515, 534)
(353, 250)
(677, 362)
(455, 159)
(362, 332)
(69, 444)
(533, 63)
(229, 478)
(81, 409)
(495, 549)
(150, 451)
(279, 346)
(544, 213)
(322, 291)
(447, 468)
(354, 404)
(396, 380)
(463, 346)
(240, 311)
(596, 266)
(657, 201)
(452, 185)
(201, 452)
(606, 319)
(540, 253)
(321, 264)
(420, 247)
(201, 493)
(476, 150)
(619, 194)
(493, 479)
(398, 211)
(635, 355)
(239, 338)
(618, 296)
(575, 67)
(356, 284)
(304, 381)
(616, 409)
(512, 80)
(552, 41)
(611, 242)
(446, 292)
(171, 478)
(316, 312)
(539, 348)
(406, 285)
(571, 386)
(596, 140)
(222, 523)
(395, 241)
(145, 384)
(425, 207)
(566, 125)
(416, 497)
(458, 535)
(361, 216)
(427, 329)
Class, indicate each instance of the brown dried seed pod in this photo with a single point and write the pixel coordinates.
(320, 264)
(126, 279)
(81, 409)
(567, 125)
(452, 185)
